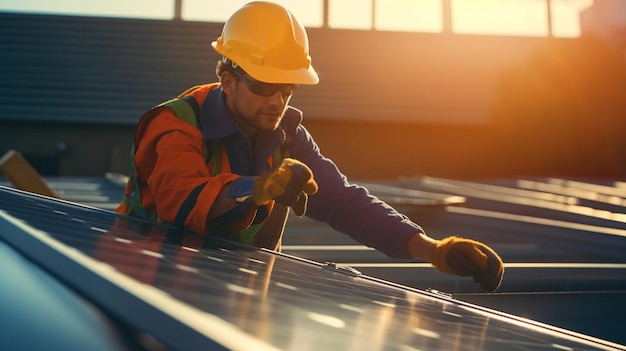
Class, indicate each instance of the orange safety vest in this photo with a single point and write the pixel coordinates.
(187, 109)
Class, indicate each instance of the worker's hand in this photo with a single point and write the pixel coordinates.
(465, 257)
(289, 184)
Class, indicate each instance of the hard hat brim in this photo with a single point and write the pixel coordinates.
(305, 76)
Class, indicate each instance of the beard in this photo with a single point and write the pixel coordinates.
(267, 119)
(253, 114)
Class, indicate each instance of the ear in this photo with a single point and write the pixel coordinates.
(228, 82)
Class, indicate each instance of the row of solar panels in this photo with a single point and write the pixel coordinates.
(562, 245)
(566, 226)
(574, 229)
(563, 242)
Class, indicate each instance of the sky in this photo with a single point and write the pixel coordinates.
(496, 17)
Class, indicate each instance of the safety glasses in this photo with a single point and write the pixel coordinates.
(265, 89)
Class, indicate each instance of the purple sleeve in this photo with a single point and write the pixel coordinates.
(350, 208)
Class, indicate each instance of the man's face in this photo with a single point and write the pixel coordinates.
(255, 106)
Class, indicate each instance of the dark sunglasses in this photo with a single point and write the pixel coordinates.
(265, 89)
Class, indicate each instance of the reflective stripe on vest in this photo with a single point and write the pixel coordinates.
(187, 109)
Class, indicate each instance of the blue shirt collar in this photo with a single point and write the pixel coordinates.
(214, 116)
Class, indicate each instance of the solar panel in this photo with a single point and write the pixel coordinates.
(193, 293)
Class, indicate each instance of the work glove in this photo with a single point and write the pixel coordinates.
(289, 184)
(469, 258)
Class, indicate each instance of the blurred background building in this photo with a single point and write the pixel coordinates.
(450, 88)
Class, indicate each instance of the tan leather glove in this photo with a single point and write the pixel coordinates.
(469, 258)
(289, 184)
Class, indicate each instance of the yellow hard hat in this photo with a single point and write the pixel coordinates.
(269, 43)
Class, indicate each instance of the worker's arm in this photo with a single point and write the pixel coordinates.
(221, 204)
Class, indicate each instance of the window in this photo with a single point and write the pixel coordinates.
(500, 17)
(353, 14)
(309, 12)
(152, 9)
(409, 15)
(566, 16)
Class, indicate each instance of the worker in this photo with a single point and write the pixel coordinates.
(231, 158)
